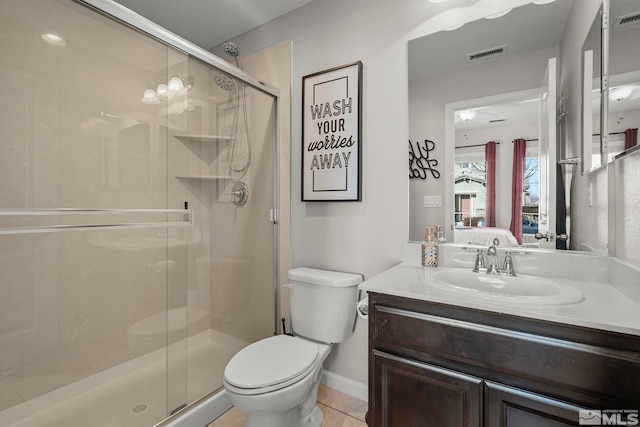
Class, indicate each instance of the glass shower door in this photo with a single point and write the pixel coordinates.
(93, 246)
(131, 270)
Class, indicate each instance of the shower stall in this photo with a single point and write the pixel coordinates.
(138, 221)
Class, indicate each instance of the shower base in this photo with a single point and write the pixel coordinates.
(134, 393)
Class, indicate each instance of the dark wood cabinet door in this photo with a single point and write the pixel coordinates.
(510, 407)
(408, 393)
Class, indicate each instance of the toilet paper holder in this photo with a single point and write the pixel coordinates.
(363, 308)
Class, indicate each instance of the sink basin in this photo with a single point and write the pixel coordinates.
(519, 289)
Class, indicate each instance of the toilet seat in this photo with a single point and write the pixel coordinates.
(270, 364)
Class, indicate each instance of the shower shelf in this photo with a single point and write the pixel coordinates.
(203, 138)
(205, 177)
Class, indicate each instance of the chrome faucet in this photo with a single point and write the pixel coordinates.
(492, 260)
(507, 267)
(492, 257)
(479, 262)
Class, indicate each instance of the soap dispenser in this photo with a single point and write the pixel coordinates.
(430, 249)
(440, 235)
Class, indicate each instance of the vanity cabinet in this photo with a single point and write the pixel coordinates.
(419, 394)
(509, 407)
(441, 365)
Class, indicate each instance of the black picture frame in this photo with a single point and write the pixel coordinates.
(332, 135)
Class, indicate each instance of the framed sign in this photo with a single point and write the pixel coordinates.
(331, 134)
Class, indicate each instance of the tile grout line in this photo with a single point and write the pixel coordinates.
(342, 412)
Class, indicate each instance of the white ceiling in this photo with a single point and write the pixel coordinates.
(209, 23)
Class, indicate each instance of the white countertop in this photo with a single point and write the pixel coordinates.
(604, 306)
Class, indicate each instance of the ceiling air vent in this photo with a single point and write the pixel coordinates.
(628, 20)
(487, 53)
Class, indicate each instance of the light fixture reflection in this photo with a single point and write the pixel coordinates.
(620, 93)
(162, 91)
(543, 1)
(467, 115)
(54, 39)
(150, 97)
(175, 86)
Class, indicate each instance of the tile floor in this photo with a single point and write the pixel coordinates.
(339, 409)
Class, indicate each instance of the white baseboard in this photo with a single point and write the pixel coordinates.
(345, 385)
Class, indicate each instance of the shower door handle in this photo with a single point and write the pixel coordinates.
(185, 215)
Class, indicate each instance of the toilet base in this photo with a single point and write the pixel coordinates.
(314, 419)
(290, 418)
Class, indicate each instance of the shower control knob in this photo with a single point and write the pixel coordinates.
(240, 193)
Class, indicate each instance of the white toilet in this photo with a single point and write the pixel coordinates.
(275, 380)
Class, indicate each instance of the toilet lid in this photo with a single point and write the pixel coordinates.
(271, 361)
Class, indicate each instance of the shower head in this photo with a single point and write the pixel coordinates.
(224, 82)
(231, 49)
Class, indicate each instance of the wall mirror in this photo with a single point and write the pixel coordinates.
(592, 100)
(486, 81)
(624, 77)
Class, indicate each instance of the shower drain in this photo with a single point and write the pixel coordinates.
(139, 408)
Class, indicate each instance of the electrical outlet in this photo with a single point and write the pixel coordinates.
(590, 194)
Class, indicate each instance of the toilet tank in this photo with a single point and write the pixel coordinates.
(323, 303)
